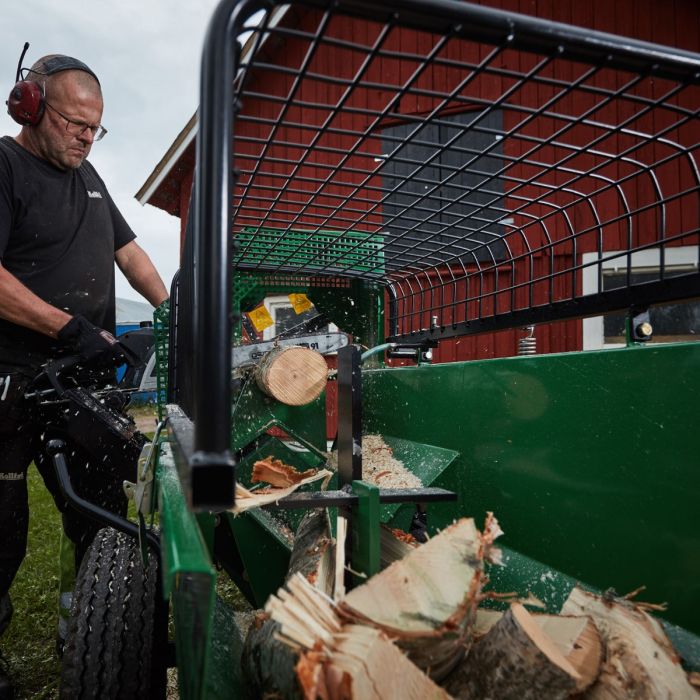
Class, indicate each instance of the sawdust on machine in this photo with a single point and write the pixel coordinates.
(380, 466)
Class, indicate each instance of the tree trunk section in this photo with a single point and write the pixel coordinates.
(640, 662)
(427, 600)
(269, 665)
(293, 375)
(514, 660)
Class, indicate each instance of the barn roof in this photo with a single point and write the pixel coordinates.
(162, 187)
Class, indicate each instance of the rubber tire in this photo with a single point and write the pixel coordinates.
(109, 647)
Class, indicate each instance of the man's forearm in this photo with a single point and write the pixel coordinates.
(21, 306)
(149, 285)
(141, 273)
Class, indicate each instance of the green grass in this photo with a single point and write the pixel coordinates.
(29, 643)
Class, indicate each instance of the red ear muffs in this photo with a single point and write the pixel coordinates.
(26, 103)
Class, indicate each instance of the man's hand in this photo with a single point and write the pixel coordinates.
(93, 344)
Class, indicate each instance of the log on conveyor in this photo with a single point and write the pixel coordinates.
(640, 661)
(293, 375)
(269, 665)
(423, 604)
(427, 601)
(524, 656)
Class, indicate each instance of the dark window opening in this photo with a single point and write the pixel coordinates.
(444, 200)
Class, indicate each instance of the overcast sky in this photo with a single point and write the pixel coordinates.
(147, 56)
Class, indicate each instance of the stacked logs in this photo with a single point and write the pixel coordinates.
(417, 629)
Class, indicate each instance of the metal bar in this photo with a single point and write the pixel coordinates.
(527, 33)
(670, 289)
(366, 552)
(478, 205)
(56, 449)
(345, 499)
(349, 415)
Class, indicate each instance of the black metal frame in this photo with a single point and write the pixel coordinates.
(306, 172)
(310, 186)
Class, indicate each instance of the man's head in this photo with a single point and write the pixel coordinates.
(73, 108)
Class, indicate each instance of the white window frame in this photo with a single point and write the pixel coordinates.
(680, 256)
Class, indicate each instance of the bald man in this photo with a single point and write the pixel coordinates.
(60, 235)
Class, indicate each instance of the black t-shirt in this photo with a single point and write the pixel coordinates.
(58, 234)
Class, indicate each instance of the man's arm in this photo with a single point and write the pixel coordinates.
(21, 306)
(141, 273)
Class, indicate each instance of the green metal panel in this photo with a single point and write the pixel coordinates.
(366, 548)
(188, 578)
(269, 446)
(311, 250)
(427, 462)
(589, 460)
(254, 413)
(263, 550)
(224, 681)
(161, 325)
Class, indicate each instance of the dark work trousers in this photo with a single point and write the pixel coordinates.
(23, 440)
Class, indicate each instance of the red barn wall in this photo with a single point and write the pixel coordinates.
(675, 23)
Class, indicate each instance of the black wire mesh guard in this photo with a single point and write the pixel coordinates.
(486, 167)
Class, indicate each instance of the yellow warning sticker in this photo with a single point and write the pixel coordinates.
(260, 318)
(300, 303)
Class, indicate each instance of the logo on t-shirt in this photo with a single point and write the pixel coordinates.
(94, 195)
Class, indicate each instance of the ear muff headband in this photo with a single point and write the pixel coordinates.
(26, 101)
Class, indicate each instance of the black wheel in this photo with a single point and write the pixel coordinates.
(109, 651)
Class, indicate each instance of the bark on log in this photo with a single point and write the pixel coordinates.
(293, 375)
(278, 474)
(269, 665)
(517, 659)
(640, 661)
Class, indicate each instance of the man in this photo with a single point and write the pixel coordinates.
(60, 234)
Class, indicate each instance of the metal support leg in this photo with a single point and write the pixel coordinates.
(349, 437)
(365, 533)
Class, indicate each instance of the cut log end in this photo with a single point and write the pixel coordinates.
(640, 662)
(529, 656)
(293, 375)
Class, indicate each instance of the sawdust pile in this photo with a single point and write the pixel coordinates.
(379, 466)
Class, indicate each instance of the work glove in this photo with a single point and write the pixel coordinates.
(93, 345)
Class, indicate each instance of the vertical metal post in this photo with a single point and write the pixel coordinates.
(349, 436)
(212, 467)
(366, 535)
(349, 415)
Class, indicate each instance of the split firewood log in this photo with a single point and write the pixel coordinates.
(640, 661)
(427, 600)
(267, 664)
(293, 375)
(343, 661)
(394, 545)
(524, 656)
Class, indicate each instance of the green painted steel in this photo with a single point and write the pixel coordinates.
(311, 250)
(254, 413)
(225, 680)
(188, 578)
(366, 547)
(161, 325)
(427, 462)
(264, 552)
(589, 460)
(268, 446)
